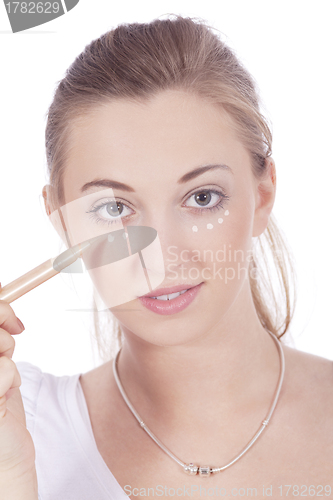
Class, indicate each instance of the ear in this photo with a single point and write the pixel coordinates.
(265, 197)
(46, 196)
(55, 215)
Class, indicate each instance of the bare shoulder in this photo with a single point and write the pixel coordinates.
(302, 436)
(307, 412)
(309, 372)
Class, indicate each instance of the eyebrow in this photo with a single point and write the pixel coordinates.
(108, 183)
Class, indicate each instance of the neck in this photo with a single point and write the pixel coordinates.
(228, 374)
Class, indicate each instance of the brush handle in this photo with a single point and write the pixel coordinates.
(28, 281)
(42, 273)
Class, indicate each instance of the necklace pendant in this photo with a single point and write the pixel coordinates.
(204, 471)
(191, 469)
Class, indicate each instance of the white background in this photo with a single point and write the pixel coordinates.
(287, 46)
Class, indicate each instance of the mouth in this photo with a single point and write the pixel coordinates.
(169, 293)
(172, 302)
(169, 296)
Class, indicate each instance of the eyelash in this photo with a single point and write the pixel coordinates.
(218, 206)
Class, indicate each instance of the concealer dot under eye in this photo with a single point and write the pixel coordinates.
(209, 225)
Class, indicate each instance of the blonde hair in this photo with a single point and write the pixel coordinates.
(136, 61)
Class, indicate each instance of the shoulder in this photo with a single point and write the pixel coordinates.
(307, 409)
(309, 373)
(38, 385)
(31, 380)
(309, 380)
(299, 439)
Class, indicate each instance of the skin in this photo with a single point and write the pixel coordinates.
(195, 375)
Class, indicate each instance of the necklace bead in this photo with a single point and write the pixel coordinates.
(191, 469)
(204, 471)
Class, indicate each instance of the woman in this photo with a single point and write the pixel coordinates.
(159, 125)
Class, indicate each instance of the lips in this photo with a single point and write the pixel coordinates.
(169, 290)
(175, 304)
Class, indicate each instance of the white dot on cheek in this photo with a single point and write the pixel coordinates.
(220, 221)
(226, 212)
(210, 226)
(194, 228)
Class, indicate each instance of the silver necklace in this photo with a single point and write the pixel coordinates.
(205, 470)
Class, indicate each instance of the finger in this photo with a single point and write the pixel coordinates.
(9, 375)
(7, 344)
(8, 320)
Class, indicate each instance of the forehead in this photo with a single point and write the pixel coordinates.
(172, 115)
(168, 135)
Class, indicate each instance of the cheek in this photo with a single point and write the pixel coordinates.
(229, 226)
(134, 273)
(119, 282)
(240, 230)
(213, 248)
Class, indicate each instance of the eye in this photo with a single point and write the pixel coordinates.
(208, 199)
(108, 212)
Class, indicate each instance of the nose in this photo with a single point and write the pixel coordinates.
(172, 239)
(168, 231)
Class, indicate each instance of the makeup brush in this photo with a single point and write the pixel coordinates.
(98, 251)
(42, 273)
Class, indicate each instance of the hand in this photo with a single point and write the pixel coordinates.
(17, 451)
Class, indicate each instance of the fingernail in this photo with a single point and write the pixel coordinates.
(21, 325)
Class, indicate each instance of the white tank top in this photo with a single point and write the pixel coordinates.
(68, 463)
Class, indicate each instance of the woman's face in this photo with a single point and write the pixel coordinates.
(201, 220)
